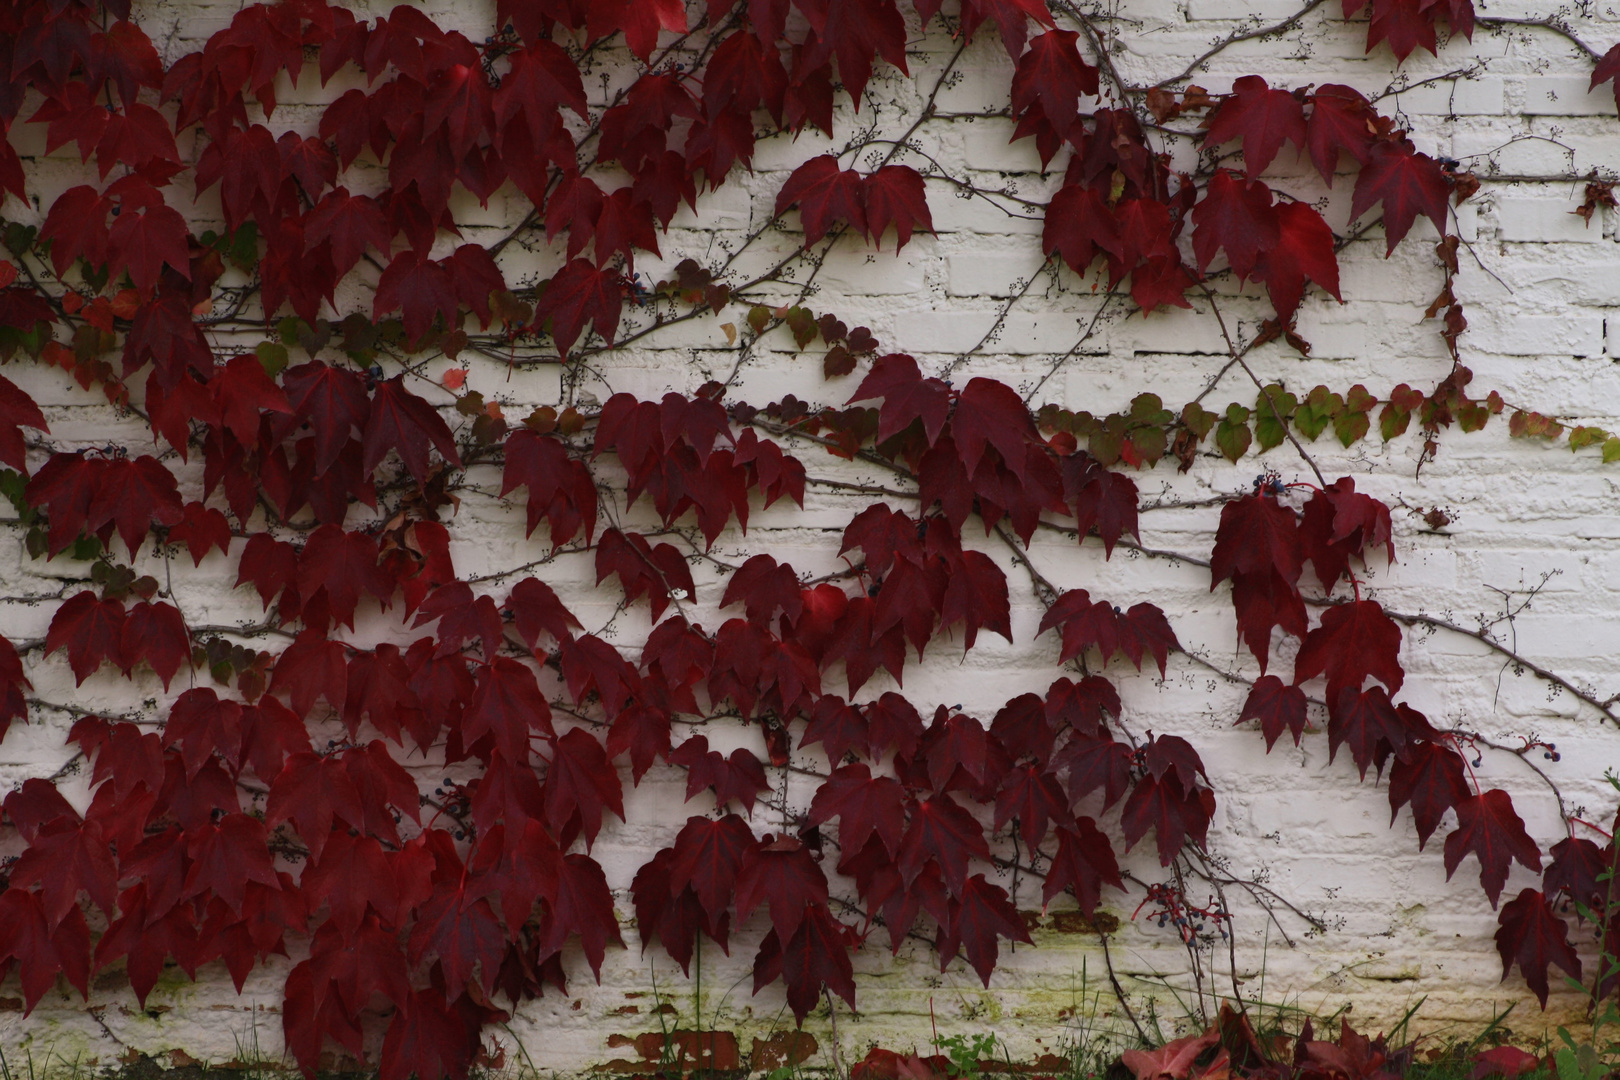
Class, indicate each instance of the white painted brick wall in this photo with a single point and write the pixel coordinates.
(1543, 297)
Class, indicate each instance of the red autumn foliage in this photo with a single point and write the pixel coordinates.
(435, 912)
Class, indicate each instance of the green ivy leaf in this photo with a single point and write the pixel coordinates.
(1272, 408)
(273, 355)
(1583, 436)
(1318, 409)
(1197, 419)
(1233, 436)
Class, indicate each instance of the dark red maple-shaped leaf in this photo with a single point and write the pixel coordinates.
(1490, 829)
(1278, 706)
(1033, 797)
(42, 953)
(403, 422)
(580, 784)
(1096, 763)
(991, 414)
(707, 857)
(816, 960)
(1262, 117)
(463, 933)
(91, 630)
(1011, 18)
(131, 495)
(739, 776)
(157, 634)
(580, 295)
(1354, 640)
(981, 915)
(311, 667)
(1085, 623)
(1168, 799)
(1262, 602)
(227, 855)
(536, 610)
(894, 194)
(1256, 534)
(325, 992)
(1532, 935)
(584, 907)
(341, 565)
(907, 397)
(1079, 226)
(942, 831)
(1054, 76)
(507, 705)
(1084, 863)
(976, 596)
(1103, 500)
(333, 400)
(674, 916)
(17, 411)
(63, 859)
(353, 875)
(13, 704)
(143, 243)
(641, 20)
(1578, 869)
(429, 1036)
(417, 287)
(865, 806)
(312, 792)
(1367, 722)
(1408, 183)
(1340, 522)
(561, 489)
(462, 617)
(1236, 215)
(1340, 122)
(351, 224)
(1607, 68)
(1431, 777)
(202, 529)
(825, 194)
(65, 486)
(644, 570)
(1304, 251)
(764, 587)
(779, 871)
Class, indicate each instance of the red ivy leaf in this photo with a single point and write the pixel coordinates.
(1355, 640)
(825, 193)
(894, 193)
(1490, 829)
(507, 705)
(17, 411)
(1278, 707)
(644, 570)
(1533, 936)
(1262, 117)
(1431, 777)
(1053, 76)
(1408, 183)
(91, 630)
(580, 784)
(982, 914)
(1083, 864)
(404, 422)
(580, 294)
